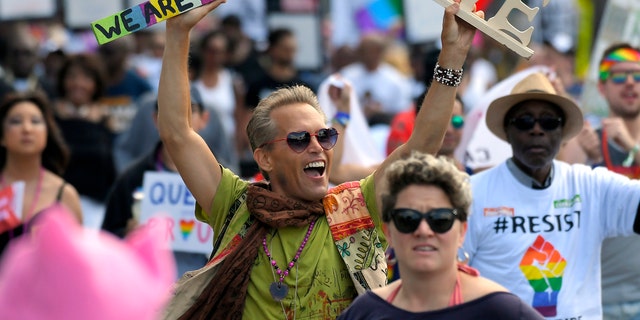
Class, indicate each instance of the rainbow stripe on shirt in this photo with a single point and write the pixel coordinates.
(543, 266)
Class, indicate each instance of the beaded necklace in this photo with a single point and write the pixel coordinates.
(278, 288)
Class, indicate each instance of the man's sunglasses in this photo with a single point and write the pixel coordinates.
(440, 220)
(620, 77)
(525, 123)
(457, 121)
(299, 141)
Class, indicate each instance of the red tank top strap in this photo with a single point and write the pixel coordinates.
(456, 297)
(468, 270)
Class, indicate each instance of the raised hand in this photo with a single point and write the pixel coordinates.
(616, 130)
(590, 142)
(190, 18)
(456, 31)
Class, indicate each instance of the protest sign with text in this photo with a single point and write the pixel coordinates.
(139, 17)
(167, 198)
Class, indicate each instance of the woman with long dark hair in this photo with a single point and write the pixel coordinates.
(33, 151)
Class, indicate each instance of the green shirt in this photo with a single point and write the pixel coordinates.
(320, 277)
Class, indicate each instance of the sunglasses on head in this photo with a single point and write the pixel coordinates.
(620, 77)
(457, 121)
(299, 141)
(440, 220)
(526, 122)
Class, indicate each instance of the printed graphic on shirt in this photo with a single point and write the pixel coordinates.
(537, 224)
(499, 211)
(567, 203)
(543, 266)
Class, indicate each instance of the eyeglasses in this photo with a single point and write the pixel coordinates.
(525, 123)
(457, 121)
(440, 220)
(620, 77)
(299, 141)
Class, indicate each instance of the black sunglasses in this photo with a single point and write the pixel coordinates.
(299, 141)
(526, 122)
(440, 220)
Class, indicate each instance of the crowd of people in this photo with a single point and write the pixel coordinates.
(348, 197)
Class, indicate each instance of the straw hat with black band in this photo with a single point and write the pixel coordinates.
(536, 86)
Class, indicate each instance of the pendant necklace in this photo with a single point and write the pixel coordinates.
(278, 288)
(295, 295)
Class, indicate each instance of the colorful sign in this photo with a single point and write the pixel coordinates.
(140, 16)
(167, 198)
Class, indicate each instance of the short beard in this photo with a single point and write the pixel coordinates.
(627, 115)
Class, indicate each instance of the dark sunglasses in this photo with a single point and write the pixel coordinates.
(299, 141)
(440, 220)
(525, 123)
(457, 121)
(620, 77)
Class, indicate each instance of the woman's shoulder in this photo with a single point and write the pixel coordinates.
(475, 287)
(56, 185)
(62, 192)
(386, 291)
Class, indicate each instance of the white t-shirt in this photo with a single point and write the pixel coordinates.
(386, 85)
(549, 239)
(221, 99)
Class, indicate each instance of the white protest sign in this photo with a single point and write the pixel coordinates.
(498, 27)
(167, 198)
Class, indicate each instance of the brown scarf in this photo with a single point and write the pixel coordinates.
(224, 296)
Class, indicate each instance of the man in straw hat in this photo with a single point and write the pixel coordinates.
(616, 145)
(538, 223)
